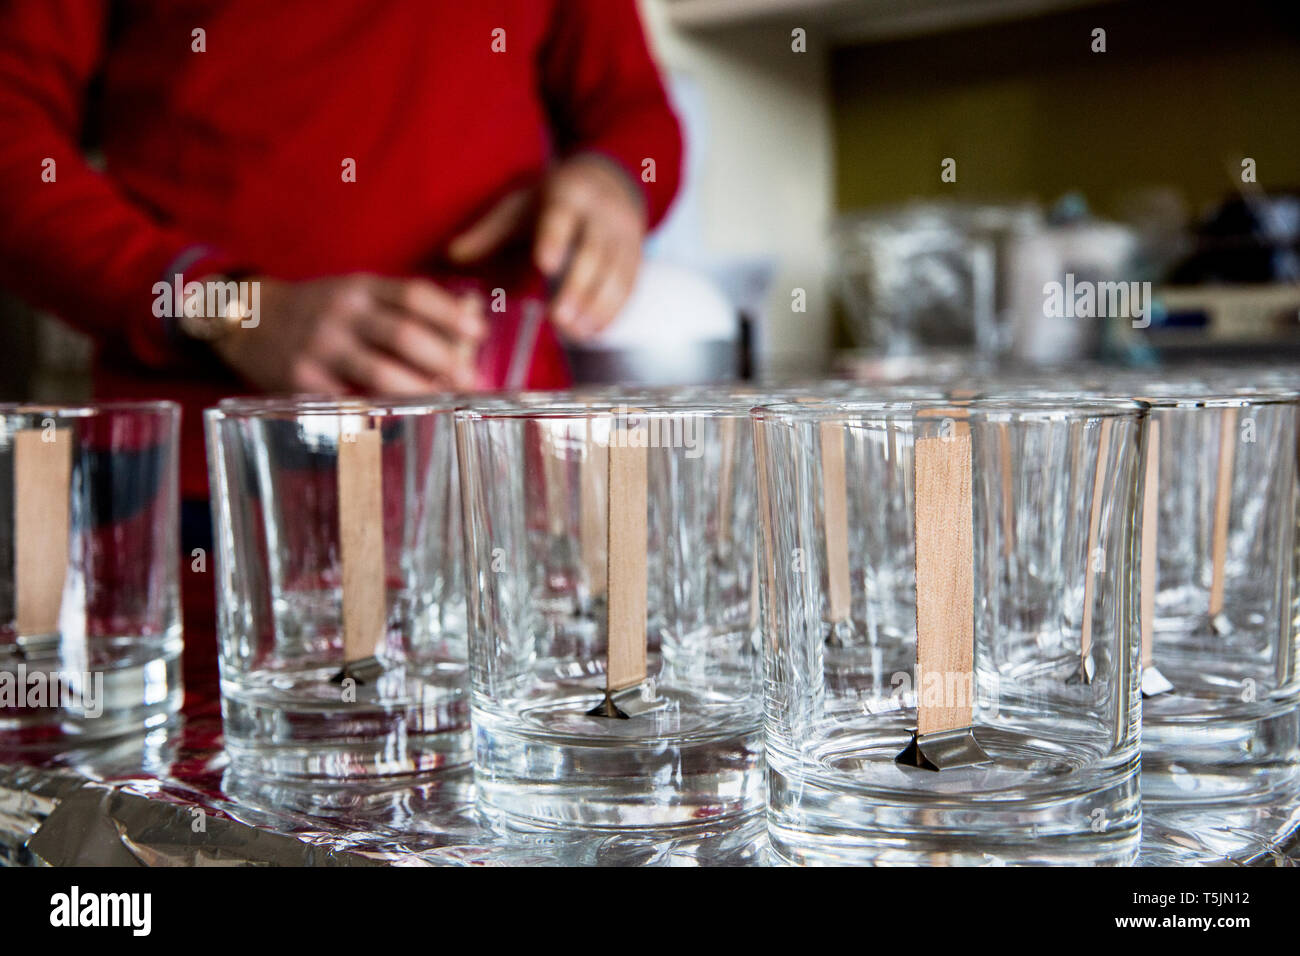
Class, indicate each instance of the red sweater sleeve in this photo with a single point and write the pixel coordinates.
(605, 94)
(70, 241)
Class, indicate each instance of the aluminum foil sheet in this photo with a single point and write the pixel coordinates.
(170, 798)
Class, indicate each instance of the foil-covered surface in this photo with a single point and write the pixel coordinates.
(170, 798)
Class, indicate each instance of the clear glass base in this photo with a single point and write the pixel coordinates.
(1029, 806)
(302, 723)
(680, 762)
(128, 684)
(1195, 753)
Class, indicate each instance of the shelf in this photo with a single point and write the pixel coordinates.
(861, 20)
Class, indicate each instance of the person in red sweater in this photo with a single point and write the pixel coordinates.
(399, 179)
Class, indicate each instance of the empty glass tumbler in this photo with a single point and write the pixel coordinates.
(1221, 717)
(341, 612)
(950, 630)
(611, 560)
(90, 629)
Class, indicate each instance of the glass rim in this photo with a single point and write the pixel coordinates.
(91, 409)
(519, 400)
(300, 406)
(853, 411)
(1179, 395)
(1154, 390)
(737, 410)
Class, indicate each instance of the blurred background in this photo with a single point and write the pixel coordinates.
(815, 229)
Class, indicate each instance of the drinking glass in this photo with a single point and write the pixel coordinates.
(949, 621)
(1221, 723)
(613, 663)
(341, 611)
(90, 629)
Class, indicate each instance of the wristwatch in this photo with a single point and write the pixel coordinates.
(196, 322)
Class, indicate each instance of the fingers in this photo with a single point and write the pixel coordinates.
(373, 372)
(420, 347)
(458, 317)
(311, 378)
(405, 337)
(592, 220)
(489, 233)
(579, 282)
(612, 294)
(596, 286)
(359, 333)
(556, 231)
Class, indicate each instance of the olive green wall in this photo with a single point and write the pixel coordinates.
(1184, 91)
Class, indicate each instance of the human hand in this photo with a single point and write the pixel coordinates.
(358, 333)
(588, 225)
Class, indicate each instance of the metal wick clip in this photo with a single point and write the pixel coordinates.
(364, 671)
(628, 702)
(1154, 683)
(943, 750)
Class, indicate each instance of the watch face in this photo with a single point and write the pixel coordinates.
(205, 328)
(209, 326)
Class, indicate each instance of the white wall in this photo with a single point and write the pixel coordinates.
(761, 184)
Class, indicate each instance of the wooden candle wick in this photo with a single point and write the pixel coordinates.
(835, 517)
(1153, 682)
(42, 478)
(726, 482)
(361, 552)
(1008, 497)
(945, 604)
(1222, 509)
(626, 558)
